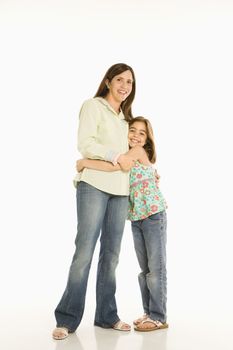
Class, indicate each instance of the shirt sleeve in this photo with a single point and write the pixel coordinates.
(88, 136)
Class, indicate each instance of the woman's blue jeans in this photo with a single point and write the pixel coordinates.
(150, 245)
(97, 212)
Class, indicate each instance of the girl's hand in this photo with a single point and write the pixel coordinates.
(80, 165)
(126, 162)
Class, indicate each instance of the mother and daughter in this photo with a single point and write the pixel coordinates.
(116, 180)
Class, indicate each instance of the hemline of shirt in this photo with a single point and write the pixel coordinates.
(143, 218)
(121, 180)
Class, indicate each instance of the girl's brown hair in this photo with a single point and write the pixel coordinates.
(150, 143)
(103, 90)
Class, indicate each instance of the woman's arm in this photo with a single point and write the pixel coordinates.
(157, 177)
(96, 165)
(88, 135)
(125, 161)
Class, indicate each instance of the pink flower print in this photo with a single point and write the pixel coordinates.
(144, 202)
(154, 208)
(156, 197)
(135, 194)
(139, 176)
(145, 184)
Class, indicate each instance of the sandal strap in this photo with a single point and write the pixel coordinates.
(140, 319)
(120, 325)
(155, 322)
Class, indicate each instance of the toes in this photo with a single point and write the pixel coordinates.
(60, 333)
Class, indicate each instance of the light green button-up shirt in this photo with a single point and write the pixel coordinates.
(102, 132)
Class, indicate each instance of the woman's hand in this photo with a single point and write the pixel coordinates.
(157, 177)
(80, 165)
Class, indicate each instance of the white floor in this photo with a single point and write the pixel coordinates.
(200, 304)
(31, 330)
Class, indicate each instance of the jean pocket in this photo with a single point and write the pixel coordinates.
(161, 216)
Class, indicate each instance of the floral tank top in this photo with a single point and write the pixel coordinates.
(145, 198)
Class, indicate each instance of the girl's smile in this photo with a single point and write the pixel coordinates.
(137, 135)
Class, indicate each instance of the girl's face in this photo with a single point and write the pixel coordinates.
(137, 135)
(120, 86)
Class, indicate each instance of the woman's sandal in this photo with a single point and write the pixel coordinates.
(140, 319)
(141, 327)
(121, 326)
(60, 333)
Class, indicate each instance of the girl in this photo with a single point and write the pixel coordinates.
(102, 134)
(146, 210)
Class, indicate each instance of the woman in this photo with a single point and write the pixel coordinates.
(102, 201)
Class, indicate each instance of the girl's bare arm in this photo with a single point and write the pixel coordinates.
(136, 152)
(125, 161)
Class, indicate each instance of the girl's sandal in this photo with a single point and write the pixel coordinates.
(140, 319)
(60, 333)
(154, 325)
(121, 326)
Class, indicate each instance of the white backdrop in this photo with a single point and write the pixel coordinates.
(53, 56)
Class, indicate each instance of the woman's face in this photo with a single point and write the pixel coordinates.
(137, 135)
(120, 86)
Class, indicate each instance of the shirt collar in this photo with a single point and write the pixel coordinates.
(105, 102)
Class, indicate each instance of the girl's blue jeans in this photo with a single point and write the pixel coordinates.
(150, 245)
(97, 212)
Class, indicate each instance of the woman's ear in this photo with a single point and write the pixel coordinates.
(107, 83)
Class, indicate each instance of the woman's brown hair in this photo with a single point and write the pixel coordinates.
(103, 90)
(150, 143)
